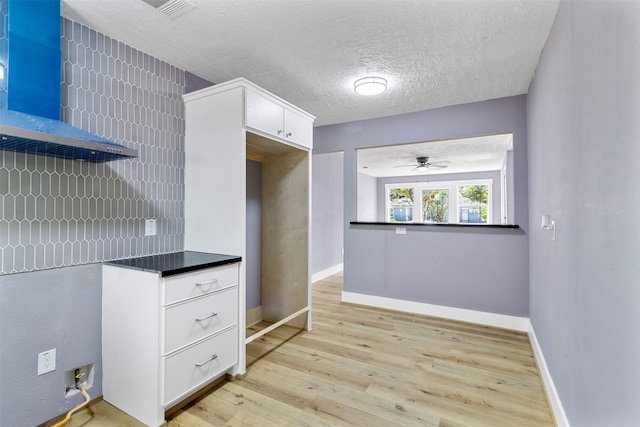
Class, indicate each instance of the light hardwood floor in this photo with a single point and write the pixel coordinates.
(362, 366)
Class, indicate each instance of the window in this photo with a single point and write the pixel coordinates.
(456, 202)
(473, 203)
(435, 205)
(400, 202)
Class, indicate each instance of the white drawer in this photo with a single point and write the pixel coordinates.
(200, 282)
(196, 318)
(187, 370)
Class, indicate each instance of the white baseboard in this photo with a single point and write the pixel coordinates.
(552, 393)
(326, 273)
(254, 316)
(464, 315)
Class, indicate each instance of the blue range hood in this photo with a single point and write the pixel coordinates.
(40, 135)
(30, 89)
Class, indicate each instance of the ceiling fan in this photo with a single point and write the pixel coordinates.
(422, 164)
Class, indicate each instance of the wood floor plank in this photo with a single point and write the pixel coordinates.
(362, 366)
(326, 398)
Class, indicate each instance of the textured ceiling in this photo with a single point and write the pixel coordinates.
(484, 153)
(309, 52)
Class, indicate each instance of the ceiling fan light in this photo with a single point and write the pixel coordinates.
(370, 86)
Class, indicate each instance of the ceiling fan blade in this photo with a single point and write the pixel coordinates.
(424, 164)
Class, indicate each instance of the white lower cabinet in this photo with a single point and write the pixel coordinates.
(165, 338)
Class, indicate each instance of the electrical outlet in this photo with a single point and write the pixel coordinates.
(47, 361)
(150, 227)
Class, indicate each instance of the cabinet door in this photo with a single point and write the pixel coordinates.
(298, 129)
(264, 115)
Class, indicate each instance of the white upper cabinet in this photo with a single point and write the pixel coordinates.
(298, 128)
(266, 114)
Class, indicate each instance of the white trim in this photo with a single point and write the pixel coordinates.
(552, 393)
(254, 315)
(276, 325)
(472, 316)
(326, 272)
(241, 82)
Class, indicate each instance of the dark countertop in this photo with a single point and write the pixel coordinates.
(176, 263)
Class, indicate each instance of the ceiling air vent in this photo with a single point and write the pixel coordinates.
(172, 8)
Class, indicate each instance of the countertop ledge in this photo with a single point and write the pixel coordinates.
(176, 263)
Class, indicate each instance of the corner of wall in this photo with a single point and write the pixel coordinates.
(550, 388)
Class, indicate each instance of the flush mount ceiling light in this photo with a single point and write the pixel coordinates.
(370, 85)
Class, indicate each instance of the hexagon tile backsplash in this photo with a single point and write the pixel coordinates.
(57, 212)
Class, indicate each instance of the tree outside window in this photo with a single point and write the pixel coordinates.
(473, 203)
(440, 202)
(401, 204)
(435, 206)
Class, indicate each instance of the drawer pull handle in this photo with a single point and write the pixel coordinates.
(208, 316)
(208, 282)
(288, 135)
(213, 357)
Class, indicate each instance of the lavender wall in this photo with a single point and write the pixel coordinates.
(584, 145)
(253, 260)
(424, 265)
(326, 220)
(194, 83)
(367, 188)
(58, 308)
